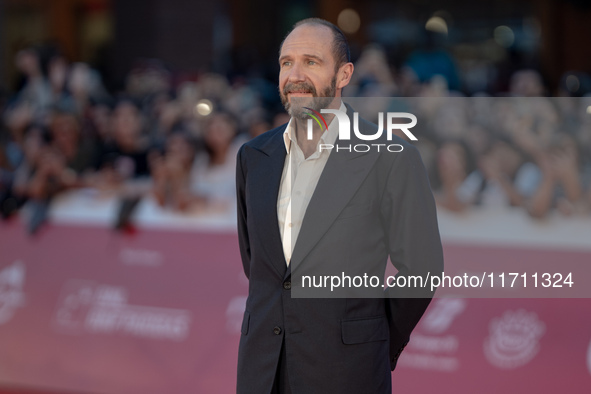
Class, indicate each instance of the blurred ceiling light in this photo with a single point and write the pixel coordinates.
(204, 107)
(572, 83)
(349, 20)
(589, 110)
(436, 24)
(504, 36)
(446, 16)
(443, 14)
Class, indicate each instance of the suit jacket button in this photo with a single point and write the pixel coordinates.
(277, 330)
(287, 285)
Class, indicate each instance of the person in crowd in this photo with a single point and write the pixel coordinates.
(560, 185)
(508, 177)
(164, 116)
(84, 85)
(11, 157)
(100, 125)
(61, 119)
(57, 160)
(35, 90)
(148, 77)
(171, 172)
(58, 72)
(33, 140)
(213, 173)
(454, 163)
(126, 156)
(372, 75)
(434, 59)
(124, 164)
(255, 121)
(186, 181)
(501, 177)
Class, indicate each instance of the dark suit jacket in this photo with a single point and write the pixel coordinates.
(366, 207)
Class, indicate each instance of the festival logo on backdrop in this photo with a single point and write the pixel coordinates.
(430, 348)
(442, 314)
(236, 307)
(514, 339)
(104, 309)
(234, 314)
(12, 280)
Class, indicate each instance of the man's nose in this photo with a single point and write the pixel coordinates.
(296, 73)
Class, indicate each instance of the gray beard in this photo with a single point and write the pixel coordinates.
(317, 103)
(299, 112)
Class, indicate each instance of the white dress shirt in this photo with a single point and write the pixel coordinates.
(295, 191)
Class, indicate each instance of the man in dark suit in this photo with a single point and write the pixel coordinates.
(306, 210)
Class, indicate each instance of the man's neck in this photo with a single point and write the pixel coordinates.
(307, 146)
(300, 129)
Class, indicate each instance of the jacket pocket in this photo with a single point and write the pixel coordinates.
(364, 330)
(245, 323)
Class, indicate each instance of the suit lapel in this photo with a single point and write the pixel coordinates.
(342, 176)
(265, 191)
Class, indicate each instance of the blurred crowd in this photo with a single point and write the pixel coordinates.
(532, 153)
(175, 141)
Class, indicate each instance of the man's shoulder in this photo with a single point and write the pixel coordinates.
(263, 140)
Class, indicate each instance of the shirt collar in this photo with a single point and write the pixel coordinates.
(328, 137)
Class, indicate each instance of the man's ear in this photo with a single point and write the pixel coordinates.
(344, 75)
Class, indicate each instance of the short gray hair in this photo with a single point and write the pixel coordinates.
(340, 46)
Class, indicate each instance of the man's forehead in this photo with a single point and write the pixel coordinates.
(309, 37)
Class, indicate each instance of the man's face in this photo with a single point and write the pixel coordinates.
(307, 70)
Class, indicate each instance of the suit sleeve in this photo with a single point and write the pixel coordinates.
(410, 220)
(243, 240)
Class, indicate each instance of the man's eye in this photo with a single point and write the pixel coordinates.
(286, 64)
(311, 62)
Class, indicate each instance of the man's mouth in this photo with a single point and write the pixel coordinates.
(299, 91)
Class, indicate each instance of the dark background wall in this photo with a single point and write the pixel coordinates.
(238, 36)
(181, 32)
